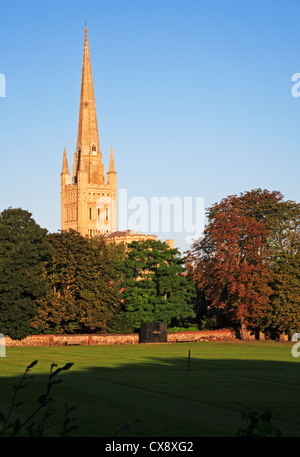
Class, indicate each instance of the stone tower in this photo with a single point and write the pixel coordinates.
(89, 202)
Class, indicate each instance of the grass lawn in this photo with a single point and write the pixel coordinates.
(150, 386)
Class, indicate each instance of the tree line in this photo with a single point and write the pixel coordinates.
(54, 283)
(244, 274)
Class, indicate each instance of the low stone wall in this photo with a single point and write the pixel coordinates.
(111, 339)
(73, 340)
(130, 338)
(203, 335)
(33, 340)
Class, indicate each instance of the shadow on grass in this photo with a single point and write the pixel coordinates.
(159, 397)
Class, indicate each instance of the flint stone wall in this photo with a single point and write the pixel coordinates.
(111, 339)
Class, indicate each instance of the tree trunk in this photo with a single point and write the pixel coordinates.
(283, 337)
(244, 330)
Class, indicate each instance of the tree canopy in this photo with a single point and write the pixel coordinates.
(82, 296)
(248, 261)
(154, 286)
(24, 253)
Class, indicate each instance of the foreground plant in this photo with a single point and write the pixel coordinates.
(36, 422)
(257, 423)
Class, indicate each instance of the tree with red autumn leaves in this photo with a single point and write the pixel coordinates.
(249, 258)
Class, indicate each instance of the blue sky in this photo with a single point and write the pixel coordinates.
(193, 95)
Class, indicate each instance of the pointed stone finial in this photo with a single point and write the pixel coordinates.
(111, 162)
(65, 168)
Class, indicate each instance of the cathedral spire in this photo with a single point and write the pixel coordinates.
(89, 204)
(88, 138)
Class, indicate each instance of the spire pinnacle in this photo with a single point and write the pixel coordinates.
(65, 168)
(111, 162)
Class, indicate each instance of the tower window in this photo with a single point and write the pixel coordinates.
(90, 213)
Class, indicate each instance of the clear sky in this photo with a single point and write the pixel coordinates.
(193, 95)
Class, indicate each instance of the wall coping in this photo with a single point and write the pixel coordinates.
(204, 331)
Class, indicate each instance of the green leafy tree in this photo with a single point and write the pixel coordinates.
(154, 287)
(82, 296)
(283, 220)
(24, 252)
